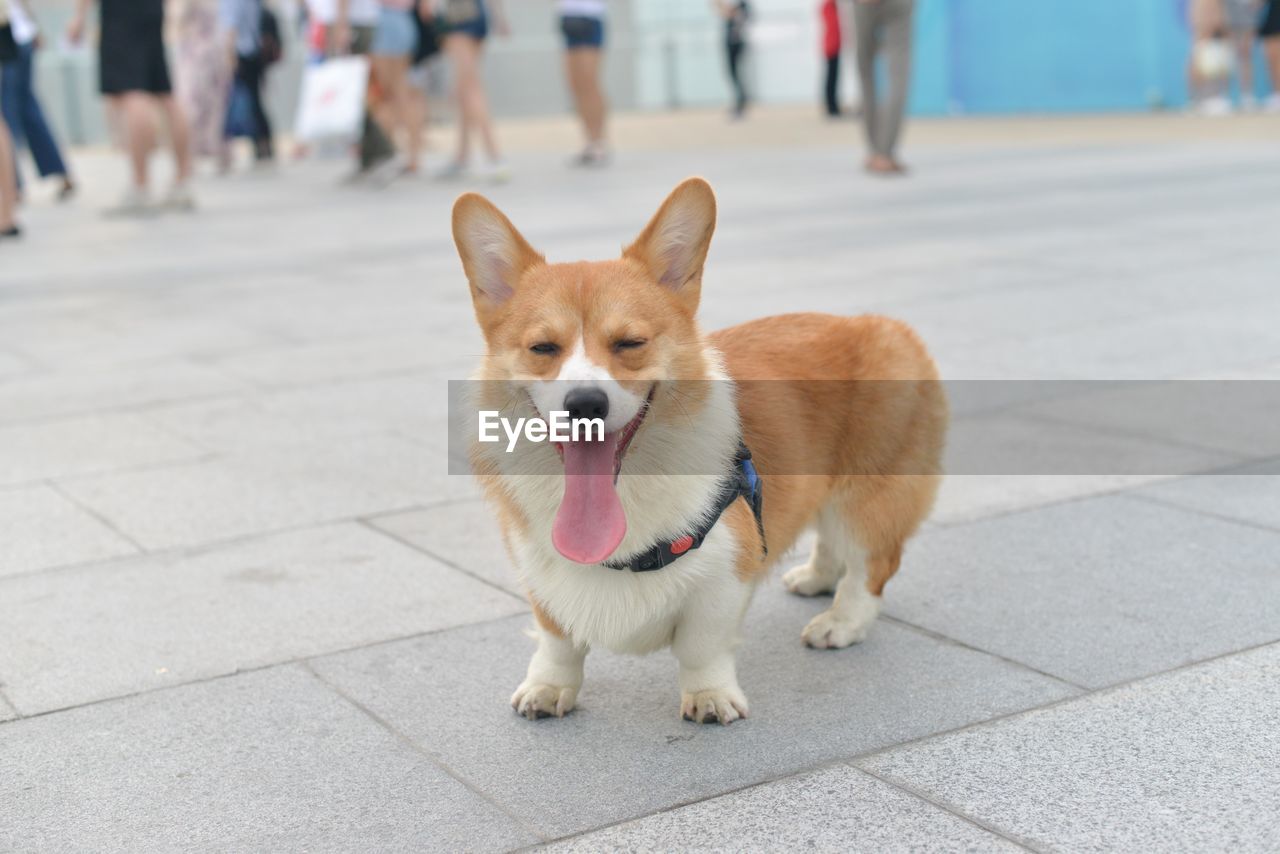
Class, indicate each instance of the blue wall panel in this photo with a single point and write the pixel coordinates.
(1011, 56)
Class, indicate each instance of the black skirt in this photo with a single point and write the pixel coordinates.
(131, 55)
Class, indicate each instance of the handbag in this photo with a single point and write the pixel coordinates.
(331, 105)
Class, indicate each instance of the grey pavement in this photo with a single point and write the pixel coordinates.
(244, 606)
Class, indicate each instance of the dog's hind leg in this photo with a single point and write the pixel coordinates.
(826, 563)
(879, 515)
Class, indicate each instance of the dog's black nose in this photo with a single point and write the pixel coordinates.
(587, 403)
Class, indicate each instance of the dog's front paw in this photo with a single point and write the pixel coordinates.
(804, 580)
(717, 705)
(536, 700)
(836, 629)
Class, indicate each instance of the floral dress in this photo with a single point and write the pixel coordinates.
(203, 74)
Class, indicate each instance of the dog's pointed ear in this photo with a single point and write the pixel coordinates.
(673, 246)
(494, 255)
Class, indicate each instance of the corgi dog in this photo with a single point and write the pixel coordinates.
(717, 452)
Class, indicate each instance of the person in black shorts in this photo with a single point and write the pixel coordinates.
(133, 75)
(582, 25)
(1269, 32)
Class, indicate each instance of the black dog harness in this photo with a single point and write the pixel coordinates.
(743, 482)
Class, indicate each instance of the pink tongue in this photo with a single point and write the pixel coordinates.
(590, 523)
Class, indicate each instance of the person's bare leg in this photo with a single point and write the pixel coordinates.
(137, 114)
(480, 105)
(388, 113)
(457, 48)
(573, 76)
(8, 180)
(411, 114)
(593, 106)
(1244, 48)
(179, 137)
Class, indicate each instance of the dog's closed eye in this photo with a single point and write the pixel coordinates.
(628, 344)
(545, 348)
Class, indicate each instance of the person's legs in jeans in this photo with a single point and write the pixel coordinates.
(897, 47)
(22, 111)
(11, 113)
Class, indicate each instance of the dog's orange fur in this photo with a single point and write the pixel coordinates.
(839, 408)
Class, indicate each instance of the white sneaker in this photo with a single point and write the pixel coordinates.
(1272, 104)
(179, 198)
(1248, 104)
(1216, 106)
(495, 172)
(134, 203)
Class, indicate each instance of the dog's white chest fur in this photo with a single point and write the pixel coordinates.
(630, 612)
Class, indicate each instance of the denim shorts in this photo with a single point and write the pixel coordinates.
(396, 34)
(582, 31)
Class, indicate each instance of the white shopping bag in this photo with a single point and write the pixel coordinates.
(332, 101)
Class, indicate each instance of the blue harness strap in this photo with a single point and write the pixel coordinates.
(743, 482)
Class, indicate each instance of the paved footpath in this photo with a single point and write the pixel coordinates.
(243, 606)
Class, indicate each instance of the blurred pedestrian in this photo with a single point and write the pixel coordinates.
(1209, 66)
(736, 14)
(394, 45)
(1242, 27)
(253, 41)
(1270, 33)
(884, 26)
(465, 25)
(202, 76)
(582, 24)
(22, 109)
(831, 53)
(133, 74)
(350, 28)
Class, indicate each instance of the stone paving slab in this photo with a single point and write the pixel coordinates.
(85, 445)
(968, 498)
(625, 752)
(463, 535)
(837, 809)
(47, 395)
(271, 760)
(1250, 494)
(1095, 592)
(342, 359)
(1188, 761)
(271, 487)
(40, 529)
(1234, 417)
(84, 634)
